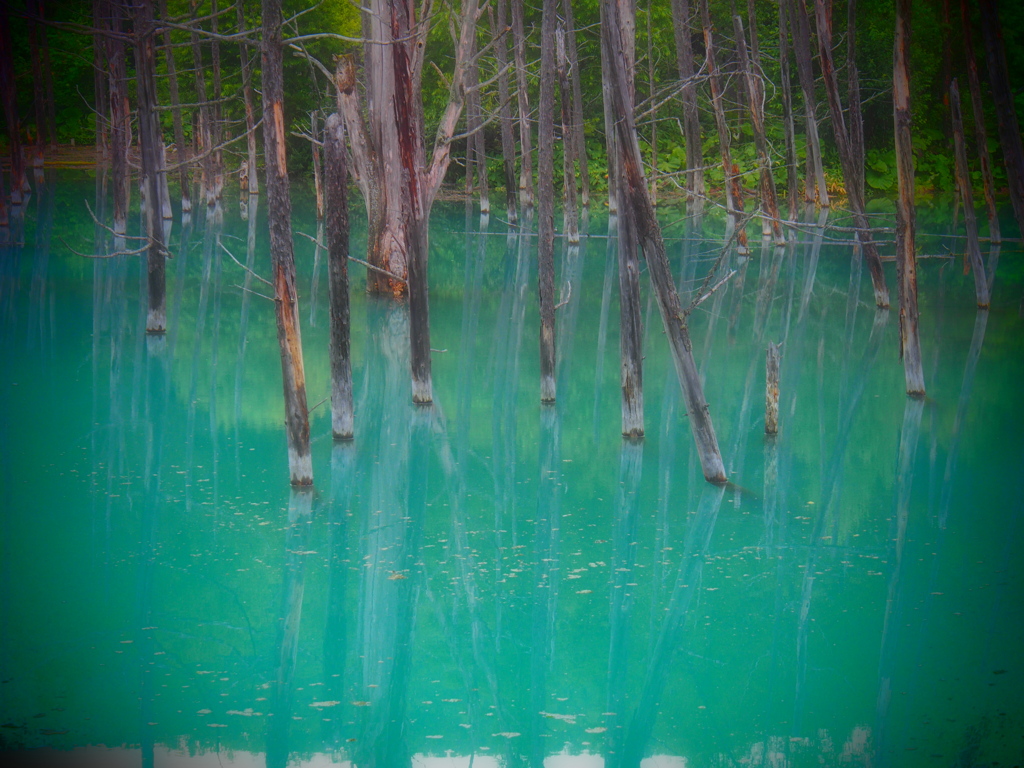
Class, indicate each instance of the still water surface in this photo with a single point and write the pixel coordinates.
(489, 582)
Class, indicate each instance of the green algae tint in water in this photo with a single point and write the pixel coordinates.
(488, 582)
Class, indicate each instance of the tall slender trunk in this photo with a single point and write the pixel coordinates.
(853, 95)
(980, 133)
(205, 119)
(546, 203)
(336, 173)
(906, 260)
(247, 97)
(610, 141)
(578, 136)
(691, 115)
(963, 183)
(846, 155)
(654, 113)
(476, 154)
(151, 145)
(179, 129)
(101, 101)
(35, 11)
(217, 109)
(8, 94)
(318, 185)
(281, 251)
(718, 106)
(51, 105)
(120, 127)
(649, 234)
(570, 206)
(525, 142)
(792, 180)
(815, 175)
(500, 28)
(1006, 113)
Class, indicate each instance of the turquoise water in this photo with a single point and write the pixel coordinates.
(489, 582)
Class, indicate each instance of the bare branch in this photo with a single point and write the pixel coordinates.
(229, 253)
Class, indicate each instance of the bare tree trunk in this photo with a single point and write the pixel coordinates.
(691, 116)
(525, 143)
(800, 25)
(570, 206)
(281, 252)
(577, 102)
(101, 93)
(792, 180)
(151, 145)
(980, 133)
(35, 11)
(654, 112)
(8, 94)
(1009, 129)
(771, 396)
(250, 118)
(205, 120)
(217, 112)
(769, 199)
(853, 94)
(120, 132)
(649, 233)
(336, 172)
(718, 107)
(846, 156)
(475, 149)
(508, 147)
(963, 183)
(906, 260)
(546, 203)
(610, 141)
(318, 185)
(179, 129)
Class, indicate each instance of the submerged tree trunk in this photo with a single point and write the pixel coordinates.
(1006, 112)
(151, 145)
(846, 156)
(525, 132)
(336, 173)
(980, 133)
(963, 183)
(546, 203)
(691, 115)
(282, 254)
(649, 233)
(508, 145)
(906, 260)
(570, 206)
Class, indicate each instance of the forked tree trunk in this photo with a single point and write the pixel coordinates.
(846, 155)
(577, 102)
(336, 173)
(247, 97)
(906, 260)
(501, 29)
(546, 203)
(1006, 112)
(179, 129)
(963, 183)
(980, 132)
(801, 27)
(151, 145)
(570, 206)
(522, 97)
(691, 116)
(282, 254)
(649, 233)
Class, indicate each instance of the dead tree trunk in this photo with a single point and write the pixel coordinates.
(577, 102)
(906, 261)
(846, 156)
(815, 174)
(718, 107)
(179, 129)
(649, 233)
(151, 144)
(522, 97)
(1006, 113)
(120, 127)
(610, 141)
(654, 114)
(101, 102)
(691, 117)
(281, 252)
(853, 95)
(207, 182)
(475, 147)
(318, 184)
(771, 394)
(336, 173)
(247, 97)
(8, 93)
(792, 180)
(501, 28)
(980, 133)
(546, 203)
(769, 199)
(963, 183)
(570, 205)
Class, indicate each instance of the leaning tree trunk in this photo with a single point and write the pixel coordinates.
(281, 252)
(508, 145)
(336, 173)
(691, 115)
(250, 119)
(546, 202)
(179, 129)
(980, 132)
(525, 142)
(906, 261)
(649, 232)
(846, 156)
(1006, 113)
(963, 183)
(151, 145)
